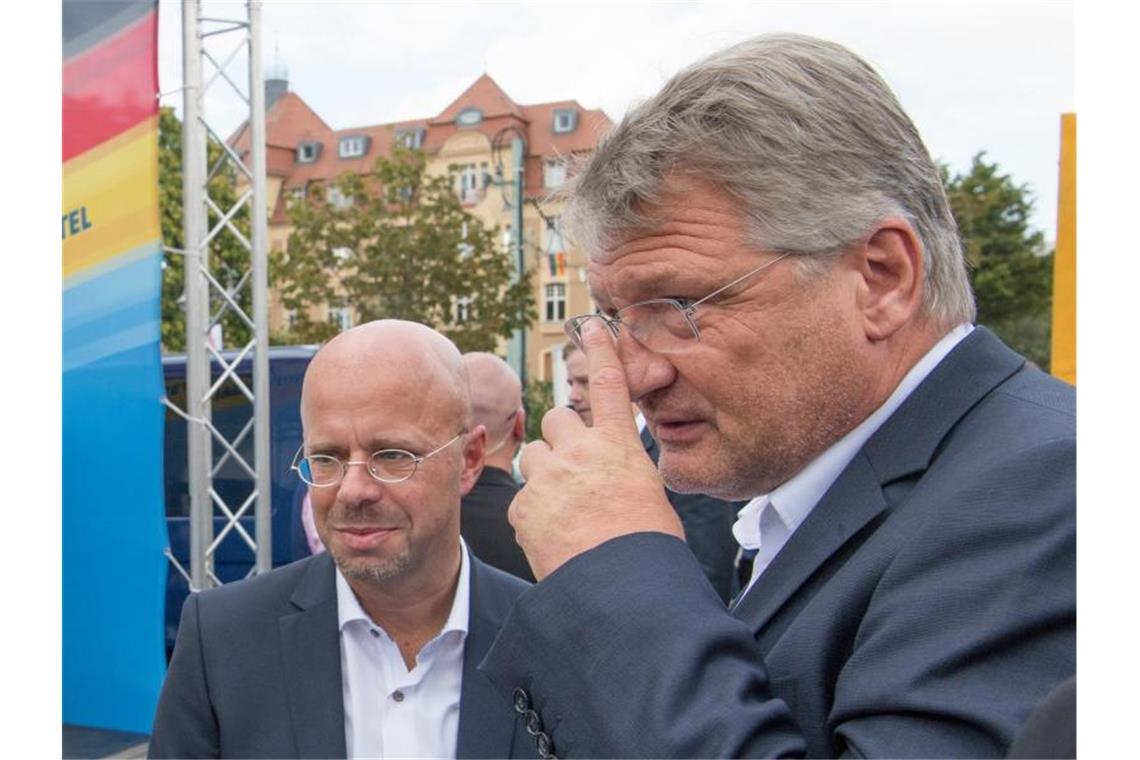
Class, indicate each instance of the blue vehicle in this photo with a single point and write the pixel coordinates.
(231, 412)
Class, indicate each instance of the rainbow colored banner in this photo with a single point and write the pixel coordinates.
(114, 529)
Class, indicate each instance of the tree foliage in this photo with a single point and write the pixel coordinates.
(405, 248)
(229, 259)
(1012, 281)
(538, 399)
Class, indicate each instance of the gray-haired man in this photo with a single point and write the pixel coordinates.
(783, 293)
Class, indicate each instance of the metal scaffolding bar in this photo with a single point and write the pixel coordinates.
(197, 362)
(259, 265)
(204, 285)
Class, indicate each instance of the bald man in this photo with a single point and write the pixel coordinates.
(496, 403)
(368, 649)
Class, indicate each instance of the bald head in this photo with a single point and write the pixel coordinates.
(372, 396)
(405, 357)
(496, 403)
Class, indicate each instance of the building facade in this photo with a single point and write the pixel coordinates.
(304, 154)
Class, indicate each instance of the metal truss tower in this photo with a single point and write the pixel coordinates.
(209, 297)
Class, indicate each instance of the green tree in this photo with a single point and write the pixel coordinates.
(397, 243)
(1012, 281)
(229, 259)
(537, 400)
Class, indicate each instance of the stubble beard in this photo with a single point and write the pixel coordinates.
(373, 570)
(367, 569)
(777, 446)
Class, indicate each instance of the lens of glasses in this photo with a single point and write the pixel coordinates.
(320, 470)
(392, 465)
(659, 325)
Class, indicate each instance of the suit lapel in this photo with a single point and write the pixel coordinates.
(854, 500)
(904, 445)
(486, 727)
(310, 643)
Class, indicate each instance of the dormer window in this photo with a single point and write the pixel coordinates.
(412, 139)
(469, 117)
(308, 152)
(565, 120)
(353, 146)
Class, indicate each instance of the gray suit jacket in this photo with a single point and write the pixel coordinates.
(256, 670)
(923, 608)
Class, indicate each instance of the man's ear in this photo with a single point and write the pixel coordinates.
(519, 430)
(892, 270)
(474, 448)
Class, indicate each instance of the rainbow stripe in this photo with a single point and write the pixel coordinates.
(114, 531)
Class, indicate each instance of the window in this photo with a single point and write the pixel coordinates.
(340, 315)
(352, 147)
(290, 318)
(337, 199)
(467, 183)
(465, 248)
(565, 120)
(308, 152)
(411, 138)
(555, 300)
(463, 308)
(555, 247)
(553, 173)
(469, 117)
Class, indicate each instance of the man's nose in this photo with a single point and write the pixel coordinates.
(645, 370)
(358, 486)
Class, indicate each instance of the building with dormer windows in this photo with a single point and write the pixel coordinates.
(304, 153)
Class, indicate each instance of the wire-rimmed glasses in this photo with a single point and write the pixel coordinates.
(386, 465)
(664, 325)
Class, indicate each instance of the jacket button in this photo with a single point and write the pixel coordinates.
(522, 701)
(533, 722)
(545, 746)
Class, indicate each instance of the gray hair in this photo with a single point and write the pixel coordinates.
(804, 135)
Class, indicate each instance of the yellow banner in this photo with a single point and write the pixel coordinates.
(1063, 351)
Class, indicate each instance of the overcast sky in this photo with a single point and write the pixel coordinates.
(987, 76)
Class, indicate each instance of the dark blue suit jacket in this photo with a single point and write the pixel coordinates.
(256, 670)
(923, 608)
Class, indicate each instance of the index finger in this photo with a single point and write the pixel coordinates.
(609, 393)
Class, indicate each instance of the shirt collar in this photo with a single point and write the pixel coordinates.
(349, 608)
(794, 499)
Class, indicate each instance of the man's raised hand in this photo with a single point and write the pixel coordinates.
(585, 486)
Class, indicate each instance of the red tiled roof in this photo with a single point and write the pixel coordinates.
(330, 165)
(544, 141)
(291, 122)
(279, 160)
(486, 95)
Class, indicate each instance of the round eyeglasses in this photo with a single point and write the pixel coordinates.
(386, 465)
(663, 325)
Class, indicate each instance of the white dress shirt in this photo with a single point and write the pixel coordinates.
(768, 521)
(390, 711)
